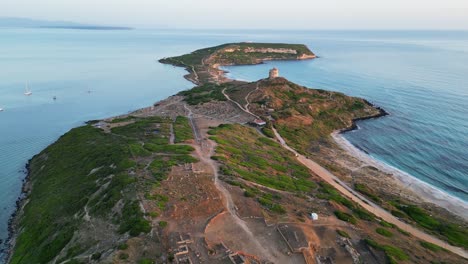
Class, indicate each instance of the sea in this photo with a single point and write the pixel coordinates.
(419, 77)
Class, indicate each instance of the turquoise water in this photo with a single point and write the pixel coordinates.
(421, 78)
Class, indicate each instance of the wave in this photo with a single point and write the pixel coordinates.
(423, 189)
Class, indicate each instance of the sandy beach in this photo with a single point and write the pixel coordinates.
(421, 189)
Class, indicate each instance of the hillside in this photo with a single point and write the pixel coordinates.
(193, 179)
(84, 191)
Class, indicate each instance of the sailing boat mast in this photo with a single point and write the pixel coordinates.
(27, 92)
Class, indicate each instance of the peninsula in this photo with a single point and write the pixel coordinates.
(226, 172)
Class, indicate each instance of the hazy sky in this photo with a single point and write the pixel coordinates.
(283, 14)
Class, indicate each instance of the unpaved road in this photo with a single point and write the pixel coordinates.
(358, 198)
(366, 203)
(204, 152)
(240, 106)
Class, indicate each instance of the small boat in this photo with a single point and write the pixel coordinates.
(27, 92)
(55, 97)
(1, 109)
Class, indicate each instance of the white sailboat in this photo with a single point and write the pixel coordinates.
(1, 109)
(27, 92)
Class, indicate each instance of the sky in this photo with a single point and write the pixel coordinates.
(254, 14)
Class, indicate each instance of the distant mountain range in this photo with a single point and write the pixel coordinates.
(35, 23)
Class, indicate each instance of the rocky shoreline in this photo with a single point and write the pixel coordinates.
(354, 126)
(13, 221)
(214, 72)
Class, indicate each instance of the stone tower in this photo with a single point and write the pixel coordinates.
(274, 73)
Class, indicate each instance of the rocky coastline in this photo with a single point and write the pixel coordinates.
(14, 218)
(354, 126)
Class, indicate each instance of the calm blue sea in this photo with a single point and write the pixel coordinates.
(421, 78)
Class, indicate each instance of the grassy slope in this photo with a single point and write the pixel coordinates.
(63, 185)
(247, 154)
(307, 116)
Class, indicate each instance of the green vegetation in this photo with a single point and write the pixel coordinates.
(403, 232)
(345, 217)
(182, 130)
(342, 233)
(237, 57)
(306, 117)
(249, 193)
(386, 224)
(192, 59)
(431, 247)
(455, 234)
(383, 232)
(326, 191)
(161, 165)
(87, 161)
(268, 202)
(268, 132)
(123, 246)
(366, 191)
(329, 193)
(248, 155)
(123, 119)
(96, 256)
(133, 221)
(204, 93)
(146, 261)
(169, 149)
(162, 224)
(393, 253)
(62, 186)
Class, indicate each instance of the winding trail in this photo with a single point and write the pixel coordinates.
(355, 196)
(240, 106)
(366, 203)
(246, 106)
(205, 151)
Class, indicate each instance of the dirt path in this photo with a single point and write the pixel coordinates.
(240, 106)
(366, 203)
(356, 197)
(246, 106)
(204, 152)
(172, 136)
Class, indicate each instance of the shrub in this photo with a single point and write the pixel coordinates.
(123, 246)
(391, 252)
(270, 205)
(146, 261)
(384, 232)
(342, 233)
(386, 224)
(430, 246)
(363, 214)
(345, 217)
(132, 220)
(249, 193)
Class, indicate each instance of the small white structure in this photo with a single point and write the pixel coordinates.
(314, 216)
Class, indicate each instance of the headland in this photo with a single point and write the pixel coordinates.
(227, 172)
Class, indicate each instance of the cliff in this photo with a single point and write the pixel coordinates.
(203, 64)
